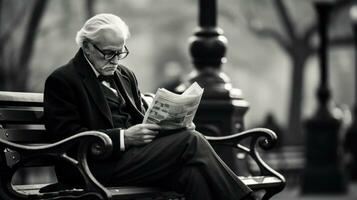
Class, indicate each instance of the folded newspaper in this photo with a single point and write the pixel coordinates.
(172, 111)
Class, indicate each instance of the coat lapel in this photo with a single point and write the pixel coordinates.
(92, 85)
(98, 97)
(124, 88)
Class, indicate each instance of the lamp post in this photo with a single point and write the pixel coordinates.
(351, 135)
(222, 107)
(323, 170)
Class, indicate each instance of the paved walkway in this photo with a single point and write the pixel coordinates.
(294, 194)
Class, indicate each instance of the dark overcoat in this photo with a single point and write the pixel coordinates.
(74, 102)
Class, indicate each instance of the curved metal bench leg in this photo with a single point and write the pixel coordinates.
(91, 183)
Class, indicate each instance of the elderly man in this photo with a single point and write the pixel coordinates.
(94, 92)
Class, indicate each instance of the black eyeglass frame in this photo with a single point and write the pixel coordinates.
(108, 57)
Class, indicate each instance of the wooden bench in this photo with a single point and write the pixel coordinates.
(24, 143)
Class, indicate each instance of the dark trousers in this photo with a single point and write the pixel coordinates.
(184, 162)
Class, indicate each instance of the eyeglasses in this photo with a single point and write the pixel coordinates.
(108, 55)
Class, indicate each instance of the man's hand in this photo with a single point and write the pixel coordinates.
(140, 134)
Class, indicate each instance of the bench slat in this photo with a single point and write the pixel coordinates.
(21, 98)
(28, 115)
(25, 136)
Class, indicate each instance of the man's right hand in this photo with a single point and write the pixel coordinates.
(140, 134)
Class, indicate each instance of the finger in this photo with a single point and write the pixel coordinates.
(152, 126)
(149, 132)
(148, 137)
(148, 141)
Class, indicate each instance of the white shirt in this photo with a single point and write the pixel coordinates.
(105, 83)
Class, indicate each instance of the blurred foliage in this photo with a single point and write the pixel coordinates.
(17, 37)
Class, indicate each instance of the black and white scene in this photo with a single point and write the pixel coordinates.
(178, 100)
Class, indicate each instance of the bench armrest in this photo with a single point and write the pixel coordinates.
(93, 142)
(101, 144)
(259, 137)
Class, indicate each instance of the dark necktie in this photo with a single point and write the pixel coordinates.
(110, 80)
(119, 89)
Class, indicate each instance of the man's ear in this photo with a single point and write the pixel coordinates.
(85, 46)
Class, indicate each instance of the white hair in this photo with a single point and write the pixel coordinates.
(93, 25)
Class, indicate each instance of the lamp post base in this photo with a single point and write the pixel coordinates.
(323, 172)
(324, 179)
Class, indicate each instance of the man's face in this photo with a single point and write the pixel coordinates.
(104, 53)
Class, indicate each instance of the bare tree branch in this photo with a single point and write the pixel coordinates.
(342, 41)
(1, 43)
(309, 33)
(285, 19)
(31, 32)
(336, 42)
(311, 50)
(89, 8)
(10, 29)
(1, 15)
(340, 5)
(271, 34)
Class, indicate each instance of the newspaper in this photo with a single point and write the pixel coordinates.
(172, 111)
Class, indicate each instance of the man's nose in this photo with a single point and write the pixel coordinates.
(115, 60)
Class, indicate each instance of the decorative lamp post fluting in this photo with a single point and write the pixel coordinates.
(323, 171)
(222, 107)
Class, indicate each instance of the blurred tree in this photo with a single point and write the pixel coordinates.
(168, 32)
(299, 46)
(17, 40)
(90, 5)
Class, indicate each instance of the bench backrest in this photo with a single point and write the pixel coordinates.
(21, 117)
(22, 122)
